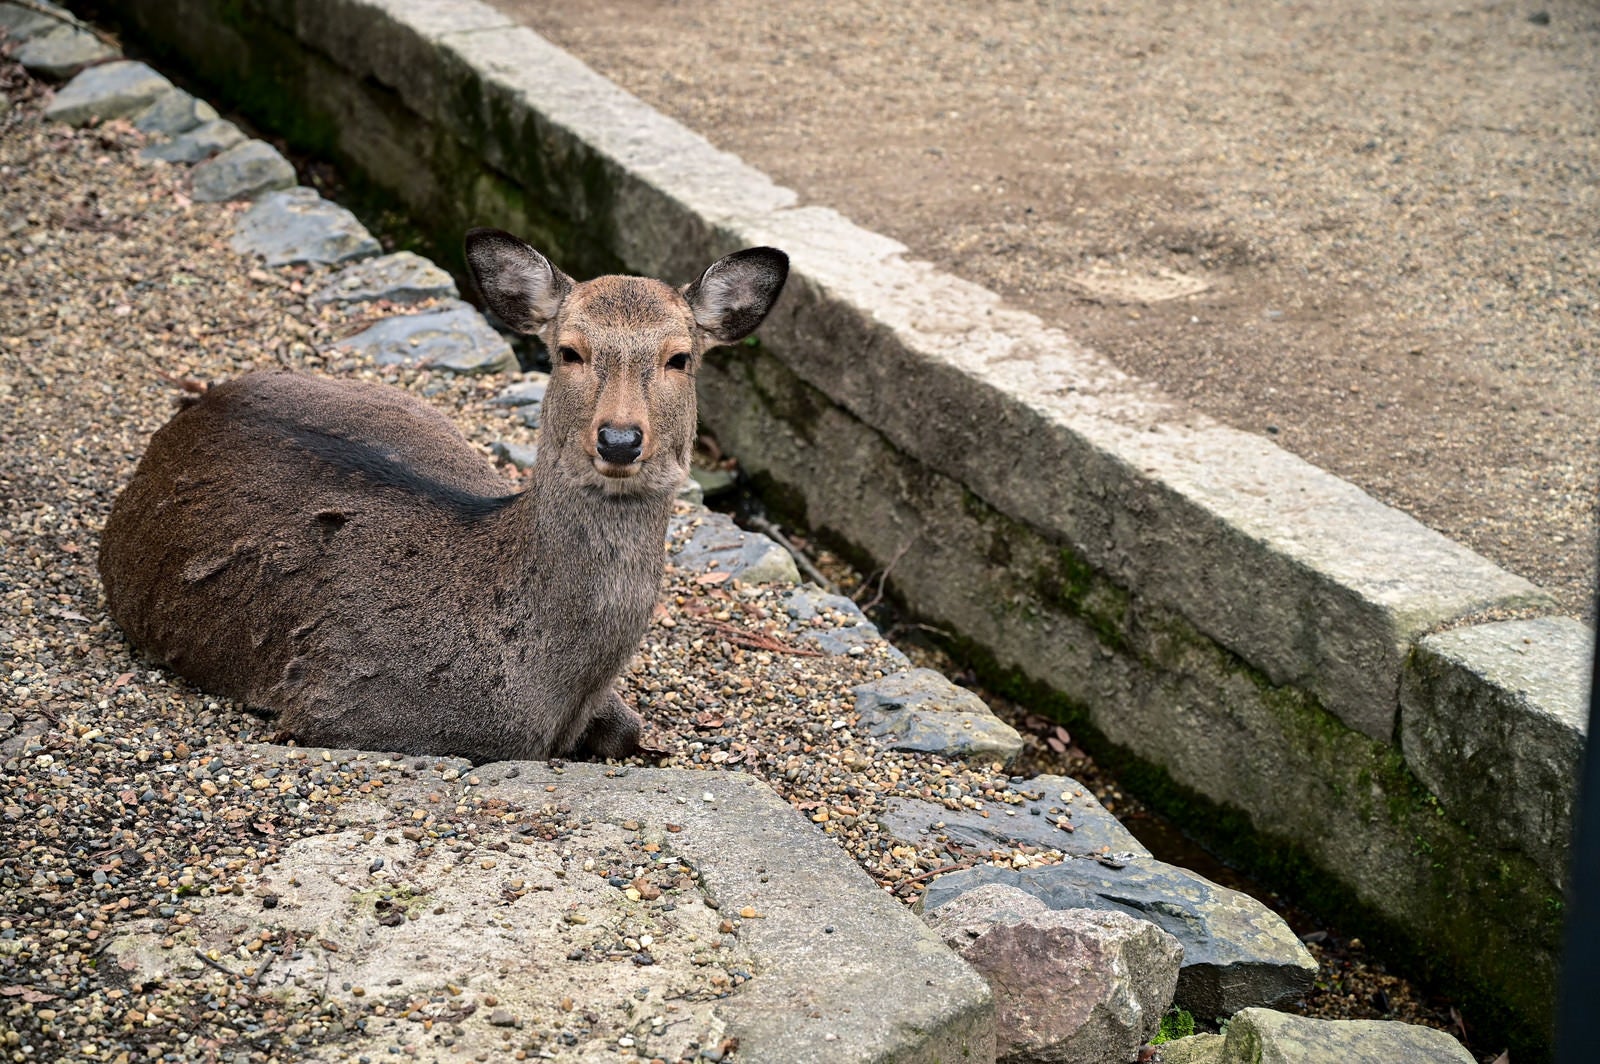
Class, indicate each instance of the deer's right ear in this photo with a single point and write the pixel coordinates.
(517, 282)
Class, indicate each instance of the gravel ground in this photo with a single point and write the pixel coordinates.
(1369, 230)
(119, 293)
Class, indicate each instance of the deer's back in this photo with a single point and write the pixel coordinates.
(288, 538)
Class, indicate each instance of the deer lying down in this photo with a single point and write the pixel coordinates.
(337, 554)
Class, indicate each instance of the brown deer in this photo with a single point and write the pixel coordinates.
(337, 554)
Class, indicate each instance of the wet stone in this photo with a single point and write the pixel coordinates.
(403, 277)
(454, 338)
(62, 52)
(1237, 953)
(297, 225)
(174, 112)
(197, 144)
(110, 90)
(920, 709)
(244, 171)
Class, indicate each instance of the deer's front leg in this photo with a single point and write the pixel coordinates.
(614, 731)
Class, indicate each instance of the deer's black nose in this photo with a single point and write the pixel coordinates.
(620, 446)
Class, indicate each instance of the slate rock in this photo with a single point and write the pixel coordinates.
(520, 455)
(714, 538)
(714, 482)
(244, 171)
(921, 710)
(453, 338)
(401, 277)
(62, 52)
(110, 90)
(1237, 953)
(1075, 986)
(1261, 1036)
(175, 112)
(689, 492)
(849, 630)
(198, 144)
(1033, 823)
(25, 23)
(297, 225)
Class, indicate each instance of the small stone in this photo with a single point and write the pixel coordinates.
(297, 225)
(174, 112)
(110, 90)
(454, 338)
(244, 171)
(62, 52)
(521, 455)
(502, 1018)
(401, 277)
(198, 144)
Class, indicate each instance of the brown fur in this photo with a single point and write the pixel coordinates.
(338, 554)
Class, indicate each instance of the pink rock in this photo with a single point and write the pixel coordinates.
(1071, 986)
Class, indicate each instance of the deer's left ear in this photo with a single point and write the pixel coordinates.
(735, 293)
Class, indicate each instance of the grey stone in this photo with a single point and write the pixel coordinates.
(297, 225)
(520, 455)
(400, 277)
(1493, 721)
(244, 171)
(714, 482)
(689, 492)
(1260, 1036)
(25, 23)
(881, 987)
(454, 338)
(920, 709)
(197, 144)
(1237, 953)
(1049, 801)
(62, 52)
(529, 391)
(711, 542)
(1075, 986)
(110, 90)
(175, 112)
(834, 624)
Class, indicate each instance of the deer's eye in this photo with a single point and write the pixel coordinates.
(679, 361)
(569, 354)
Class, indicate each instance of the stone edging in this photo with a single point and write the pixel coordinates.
(1254, 627)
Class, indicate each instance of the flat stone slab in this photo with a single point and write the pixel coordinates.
(244, 171)
(712, 543)
(453, 338)
(921, 710)
(297, 225)
(401, 277)
(1061, 804)
(110, 90)
(1237, 953)
(198, 144)
(62, 52)
(175, 112)
(1493, 720)
(1261, 1036)
(576, 910)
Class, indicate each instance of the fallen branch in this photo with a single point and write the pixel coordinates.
(758, 641)
(218, 965)
(958, 867)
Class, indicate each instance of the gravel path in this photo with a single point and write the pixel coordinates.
(1368, 230)
(119, 289)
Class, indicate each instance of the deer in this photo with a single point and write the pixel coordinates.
(337, 556)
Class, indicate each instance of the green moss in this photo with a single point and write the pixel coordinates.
(1174, 1025)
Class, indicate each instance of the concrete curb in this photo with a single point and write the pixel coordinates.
(1203, 597)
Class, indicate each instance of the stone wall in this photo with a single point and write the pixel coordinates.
(1253, 639)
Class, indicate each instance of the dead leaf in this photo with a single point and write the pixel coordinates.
(711, 578)
(120, 680)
